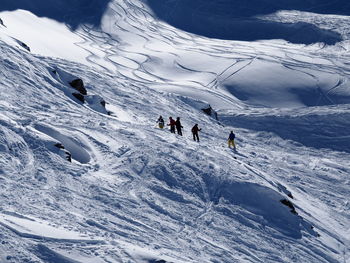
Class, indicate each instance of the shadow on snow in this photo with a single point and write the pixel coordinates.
(237, 19)
(311, 130)
(262, 206)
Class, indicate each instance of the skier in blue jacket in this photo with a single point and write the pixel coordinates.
(231, 140)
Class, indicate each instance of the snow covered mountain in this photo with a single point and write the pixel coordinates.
(87, 176)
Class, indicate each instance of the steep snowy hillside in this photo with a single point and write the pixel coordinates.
(87, 176)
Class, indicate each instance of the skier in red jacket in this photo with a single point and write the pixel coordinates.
(195, 130)
(172, 124)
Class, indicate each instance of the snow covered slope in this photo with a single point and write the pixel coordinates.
(136, 193)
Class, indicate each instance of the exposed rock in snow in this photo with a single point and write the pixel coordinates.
(67, 154)
(79, 96)
(288, 203)
(78, 84)
(25, 46)
(210, 111)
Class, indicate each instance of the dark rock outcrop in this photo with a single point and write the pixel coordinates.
(79, 97)
(79, 92)
(25, 46)
(1, 22)
(66, 153)
(59, 145)
(103, 103)
(209, 111)
(284, 190)
(78, 84)
(290, 205)
(68, 156)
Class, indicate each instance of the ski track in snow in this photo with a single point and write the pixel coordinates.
(140, 194)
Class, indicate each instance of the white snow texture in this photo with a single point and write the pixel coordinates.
(87, 175)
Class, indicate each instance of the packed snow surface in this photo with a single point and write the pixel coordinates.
(91, 178)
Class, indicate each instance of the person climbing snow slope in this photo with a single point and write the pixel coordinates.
(231, 140)
(172, 124)
(178, 126)
(160, 122)
(195, 131)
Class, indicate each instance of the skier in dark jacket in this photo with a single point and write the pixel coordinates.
(195, 130)
(231, 140)
(178, 126)
(172, 124)
(160, 122)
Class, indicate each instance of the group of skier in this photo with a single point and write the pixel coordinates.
(175, 125)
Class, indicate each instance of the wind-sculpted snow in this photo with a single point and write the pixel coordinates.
(242, 20)
(15, 153)
(74, 146)
(137, 193)
(133, 44)
(150, 195)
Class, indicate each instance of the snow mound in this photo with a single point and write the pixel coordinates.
(37, 229)
(74, 145)
(260, 201)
